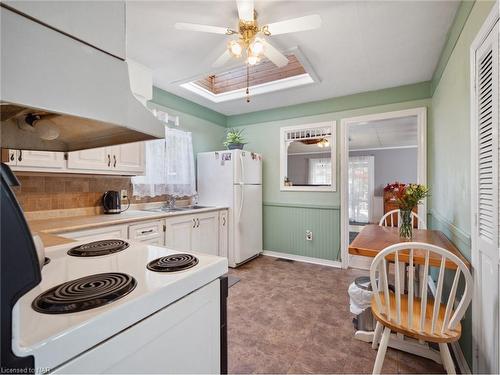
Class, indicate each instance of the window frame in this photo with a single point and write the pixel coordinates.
(284, 156)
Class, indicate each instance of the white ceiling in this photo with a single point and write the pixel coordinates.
(399, 132)
(361, 46)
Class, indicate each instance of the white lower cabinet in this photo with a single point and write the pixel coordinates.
(178, 232)
(205, 232)
(150, 232)
(223, 233)
(198, 233)
(105, 233)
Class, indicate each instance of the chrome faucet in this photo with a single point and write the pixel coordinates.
(171, 202)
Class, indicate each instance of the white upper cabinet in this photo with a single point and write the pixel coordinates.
(127, 159)
(98, 23)
(94, 159)
(36, 160)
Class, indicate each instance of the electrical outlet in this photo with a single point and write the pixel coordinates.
(124, 194)
(309, 235)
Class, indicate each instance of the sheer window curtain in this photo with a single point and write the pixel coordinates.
(361, 188)
(320, 172)
(169, 167)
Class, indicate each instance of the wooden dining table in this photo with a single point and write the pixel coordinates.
(373, 239)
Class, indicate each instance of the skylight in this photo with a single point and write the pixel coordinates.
(263, 78)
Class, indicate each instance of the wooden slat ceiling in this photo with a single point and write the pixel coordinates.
(263, 72)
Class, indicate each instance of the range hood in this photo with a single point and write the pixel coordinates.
(83, 92)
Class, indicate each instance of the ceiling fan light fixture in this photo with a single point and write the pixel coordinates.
(252, 59)
(257, 47)
(235, 48)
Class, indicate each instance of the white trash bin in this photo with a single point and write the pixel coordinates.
(360, 293)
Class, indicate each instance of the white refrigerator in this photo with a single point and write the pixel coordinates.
(233, 179)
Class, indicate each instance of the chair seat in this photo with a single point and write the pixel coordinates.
(413, 331)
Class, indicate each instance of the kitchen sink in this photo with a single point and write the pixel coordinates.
(175, 209)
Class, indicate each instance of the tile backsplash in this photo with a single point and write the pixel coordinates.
(40, 192)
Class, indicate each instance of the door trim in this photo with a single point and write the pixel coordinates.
(421, 113)
(486, 29)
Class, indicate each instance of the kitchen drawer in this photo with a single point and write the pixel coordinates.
(145, 232)
(109, 232)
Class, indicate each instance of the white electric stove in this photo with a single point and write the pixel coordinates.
(140, 309)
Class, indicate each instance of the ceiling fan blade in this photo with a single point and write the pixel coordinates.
(222, 60)
(274, 55)
(295, 24)
(245, 10)
(203, 28)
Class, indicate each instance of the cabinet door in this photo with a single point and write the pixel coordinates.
(94, 159)
(40, 159)
(148, 232)
(205, 236)
(110, 232)
(223, 234)
(178, 232)
(128, 158)
(99, 23)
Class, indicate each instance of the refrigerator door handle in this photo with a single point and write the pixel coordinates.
(242, 185)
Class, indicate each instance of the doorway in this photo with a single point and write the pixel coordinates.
(377, 151)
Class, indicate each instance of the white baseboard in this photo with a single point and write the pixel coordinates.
(300, 258)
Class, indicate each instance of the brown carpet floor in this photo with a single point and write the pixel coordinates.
(294, 318)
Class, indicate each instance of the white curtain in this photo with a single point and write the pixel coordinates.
(361, 185)
(169, 166)
(320, 172)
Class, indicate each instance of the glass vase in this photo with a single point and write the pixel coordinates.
(406, 227)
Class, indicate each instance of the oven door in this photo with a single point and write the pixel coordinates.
(181, 338)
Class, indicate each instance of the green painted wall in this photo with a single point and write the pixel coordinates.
(284, 227)
(449, 147)
(207, 135)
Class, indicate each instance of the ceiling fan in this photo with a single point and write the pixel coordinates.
(250, 39)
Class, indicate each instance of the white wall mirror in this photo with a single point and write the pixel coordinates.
(308, 157)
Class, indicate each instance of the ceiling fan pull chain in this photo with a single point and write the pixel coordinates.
(248, 83)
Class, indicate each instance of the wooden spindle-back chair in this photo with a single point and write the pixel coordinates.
(432, 319)
(393, 219)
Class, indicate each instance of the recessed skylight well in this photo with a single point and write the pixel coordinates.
(262, 78)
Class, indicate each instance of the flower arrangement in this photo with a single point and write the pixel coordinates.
(410, 196)
(407, 196)
(234, 139)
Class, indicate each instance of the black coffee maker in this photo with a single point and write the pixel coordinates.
(112, 202)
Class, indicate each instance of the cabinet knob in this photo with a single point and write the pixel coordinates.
(194, 223)
(109, 160)
(114, 161)
(12, 157)
(197, 223)
(223, 221)
(20, 158)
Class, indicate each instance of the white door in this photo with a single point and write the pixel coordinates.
(178, 232)
(129, 157)
(247, 167)
(485, 241)
(247, 219)
(96, 159)
(40, 159)
(205, 235)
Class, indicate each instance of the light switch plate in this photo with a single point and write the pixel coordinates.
(124, 194)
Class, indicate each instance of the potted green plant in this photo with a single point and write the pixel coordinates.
(234, 139)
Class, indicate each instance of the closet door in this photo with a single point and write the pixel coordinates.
(485, 230)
